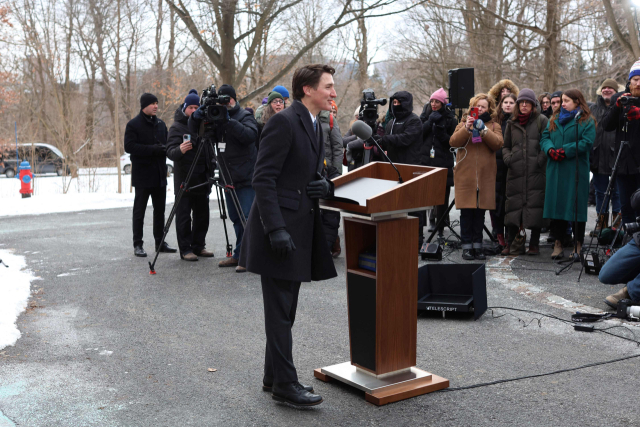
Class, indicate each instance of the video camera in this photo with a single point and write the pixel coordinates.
(629, 101)
(215, 105)
(633, 227)
(369, 107)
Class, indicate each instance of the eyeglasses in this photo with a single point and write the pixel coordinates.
(277, 101)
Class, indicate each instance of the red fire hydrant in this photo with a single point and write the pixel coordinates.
(26, 177)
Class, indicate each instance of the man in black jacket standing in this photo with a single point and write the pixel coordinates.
(284, 240)
(145, 139)
(191, 238)
(403, 140)
(628, 171)
(240, 135)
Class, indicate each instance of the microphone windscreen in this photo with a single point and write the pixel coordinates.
(361, 130)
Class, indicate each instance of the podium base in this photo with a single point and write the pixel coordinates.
(389, 388)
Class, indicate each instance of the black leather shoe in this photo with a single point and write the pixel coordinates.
(166, 248)
(294, 394)
(479, 254)
(268, 386)
(468, 254)
(138, 251)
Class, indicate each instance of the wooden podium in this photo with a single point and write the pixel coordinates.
(382, 304)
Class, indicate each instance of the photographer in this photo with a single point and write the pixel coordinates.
(624, 266)
(240, 132)
(628, 171)
(438, 124)
(191, 237)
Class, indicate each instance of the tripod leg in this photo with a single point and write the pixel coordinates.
(441, 221)
(223, 215)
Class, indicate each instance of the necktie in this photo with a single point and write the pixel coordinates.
(315, 126)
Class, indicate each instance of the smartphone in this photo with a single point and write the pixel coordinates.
(474, 112)
(186, 138)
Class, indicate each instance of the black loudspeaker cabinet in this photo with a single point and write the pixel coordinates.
(453, 288)
(461, 87)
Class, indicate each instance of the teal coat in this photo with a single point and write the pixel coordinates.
(560, 188)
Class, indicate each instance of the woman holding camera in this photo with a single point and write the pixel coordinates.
(558, 142)
(477, 138)
(527, 165)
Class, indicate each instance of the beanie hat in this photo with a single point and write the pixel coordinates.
(527, 95)
(635, 69)
(334, 105)
(147, 99)
(249, 109)
(227, 90)
(265, 99)
(439, 95)
(282, 91)
(556, 94)
(274, 95)
(357, 112)
(610, 83)
(191, 99)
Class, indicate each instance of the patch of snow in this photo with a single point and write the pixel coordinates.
(106, 353)
(15, 283)
(66, 274)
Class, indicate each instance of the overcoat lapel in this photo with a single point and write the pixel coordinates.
(304, 115)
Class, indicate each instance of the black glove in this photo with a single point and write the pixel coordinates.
(435, 116)
(159, 150)
(199, 113)
(319, 189)
(281, 242)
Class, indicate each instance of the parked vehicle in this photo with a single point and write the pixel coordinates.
(125, 164)
(43, 158)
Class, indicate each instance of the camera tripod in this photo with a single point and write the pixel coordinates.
(606, 201)
(447, 224)
(221, 188)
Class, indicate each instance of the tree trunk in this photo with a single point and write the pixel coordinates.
(551, 48)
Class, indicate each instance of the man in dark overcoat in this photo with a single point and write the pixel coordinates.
(284, 239)
(145, 139)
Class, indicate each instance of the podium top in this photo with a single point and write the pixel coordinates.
(374, 189)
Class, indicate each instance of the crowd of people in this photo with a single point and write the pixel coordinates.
(523, 157)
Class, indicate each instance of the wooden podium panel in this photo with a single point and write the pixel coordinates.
(394, 289)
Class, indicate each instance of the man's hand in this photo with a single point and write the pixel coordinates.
(633, 114)
(318, 189)
(185, 146)
(281, 242)
(160, 150)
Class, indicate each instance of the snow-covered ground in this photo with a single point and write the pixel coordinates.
(15, 285)
(95, 188)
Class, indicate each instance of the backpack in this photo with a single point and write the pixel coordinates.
(330, 122)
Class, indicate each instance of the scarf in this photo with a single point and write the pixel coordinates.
(485, 117)
(566, 116)
(523, 119)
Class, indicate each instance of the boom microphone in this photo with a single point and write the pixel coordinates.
(364, 132)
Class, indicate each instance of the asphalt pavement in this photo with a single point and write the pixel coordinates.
(104, 343)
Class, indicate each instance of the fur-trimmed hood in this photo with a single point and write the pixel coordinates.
(497, 88)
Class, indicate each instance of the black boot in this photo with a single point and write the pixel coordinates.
(479, 254)
(294, 394)
(468, 254)
(138, 251)
(166, 248)
(267, 385)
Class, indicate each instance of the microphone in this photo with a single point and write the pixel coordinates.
(364, 132)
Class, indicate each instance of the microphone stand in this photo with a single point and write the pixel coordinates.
(372, 139)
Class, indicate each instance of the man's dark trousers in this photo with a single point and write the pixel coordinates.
(192, 234)
(280, 302)
(627, 185)
(158, 199)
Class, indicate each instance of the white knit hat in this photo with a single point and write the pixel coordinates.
(635, 69)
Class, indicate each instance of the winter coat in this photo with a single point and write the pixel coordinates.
(494, 92)
(291, 155)
(240, 153)
(560, 189)
(603, 153)
(145, 139)
(527, 167)
(613, 120)
(403, 134)
(182, 162)
(333, 151)
(474, 175)
(436, 134)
